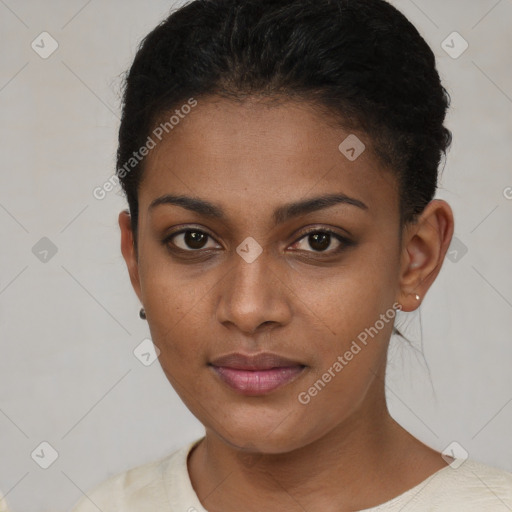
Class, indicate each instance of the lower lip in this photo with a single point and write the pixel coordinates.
(257, 382)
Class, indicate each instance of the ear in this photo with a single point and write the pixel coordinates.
(129, 251)
(424, 246)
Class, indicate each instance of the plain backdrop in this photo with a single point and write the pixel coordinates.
(68, 314)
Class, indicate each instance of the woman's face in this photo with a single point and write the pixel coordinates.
(247, 281)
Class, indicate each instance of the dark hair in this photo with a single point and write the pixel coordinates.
(360, 62)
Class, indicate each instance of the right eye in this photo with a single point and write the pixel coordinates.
(189, 240)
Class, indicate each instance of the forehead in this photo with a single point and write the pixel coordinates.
(258, 155)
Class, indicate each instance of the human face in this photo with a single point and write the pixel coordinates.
(302, 298)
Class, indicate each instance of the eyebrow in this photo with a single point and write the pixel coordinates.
(281, 214)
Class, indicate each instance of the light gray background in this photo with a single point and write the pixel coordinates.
(69, 326)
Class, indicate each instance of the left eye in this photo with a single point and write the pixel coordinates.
(320, 240)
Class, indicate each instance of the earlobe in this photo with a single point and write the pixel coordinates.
(129, 251)
(425, 244)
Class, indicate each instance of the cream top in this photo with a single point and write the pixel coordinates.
(164, 486)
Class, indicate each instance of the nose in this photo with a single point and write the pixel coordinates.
(254, 296)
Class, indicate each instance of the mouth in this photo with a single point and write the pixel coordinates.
(257, 374)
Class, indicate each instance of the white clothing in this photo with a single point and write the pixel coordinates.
(164, 486)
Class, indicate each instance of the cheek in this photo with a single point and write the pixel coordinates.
(350, 298)
(346, 313)
(346, 364)
(176, 309)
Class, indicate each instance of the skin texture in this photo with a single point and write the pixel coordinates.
(341, 451)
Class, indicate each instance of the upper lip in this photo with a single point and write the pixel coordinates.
(261, 361)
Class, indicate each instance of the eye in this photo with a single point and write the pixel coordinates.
(189, 240)
(321, 239)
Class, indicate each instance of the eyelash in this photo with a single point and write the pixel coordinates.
(345, 242)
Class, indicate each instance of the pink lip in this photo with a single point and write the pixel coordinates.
(256, 374)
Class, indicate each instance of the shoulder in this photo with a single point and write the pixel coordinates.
(471, 485)
(3, 503)
(140, 488)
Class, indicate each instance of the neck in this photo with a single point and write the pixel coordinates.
(365, 452)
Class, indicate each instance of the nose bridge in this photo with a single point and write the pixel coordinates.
(251, 294)
(252, 278)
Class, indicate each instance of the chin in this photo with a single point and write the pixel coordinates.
(264, 437)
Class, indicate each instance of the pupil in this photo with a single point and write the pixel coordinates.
(194, 239)
(324, 241)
